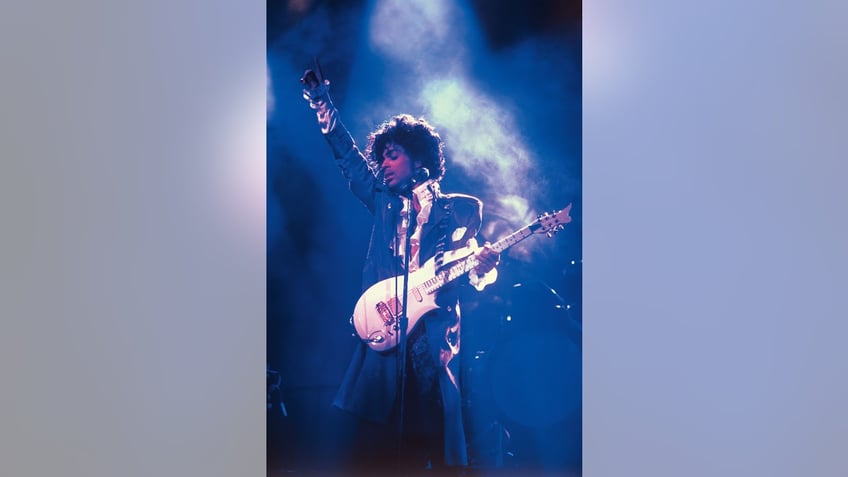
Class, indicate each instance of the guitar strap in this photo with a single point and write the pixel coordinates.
(447, 206)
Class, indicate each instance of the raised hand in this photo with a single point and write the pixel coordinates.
(317, 92)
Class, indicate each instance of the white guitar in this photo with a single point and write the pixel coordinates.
(376, 313)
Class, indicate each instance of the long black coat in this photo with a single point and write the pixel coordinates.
(370, 385)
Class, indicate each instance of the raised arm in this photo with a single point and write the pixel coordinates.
(349, 158)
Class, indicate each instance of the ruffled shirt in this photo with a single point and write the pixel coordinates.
(422, 200)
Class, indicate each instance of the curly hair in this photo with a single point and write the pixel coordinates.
(416, 136)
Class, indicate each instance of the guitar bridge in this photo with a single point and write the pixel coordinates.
(389, 318)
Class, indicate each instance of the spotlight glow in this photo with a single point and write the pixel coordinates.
(398, 28)
(483, 137)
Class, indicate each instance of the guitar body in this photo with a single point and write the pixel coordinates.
(378, 309)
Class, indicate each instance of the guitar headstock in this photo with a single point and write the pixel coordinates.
(551, 223)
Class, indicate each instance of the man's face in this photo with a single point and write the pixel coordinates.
(397, 166)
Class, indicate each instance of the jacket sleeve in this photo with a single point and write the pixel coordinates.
(469, 217)
(479, 282)
(353, 164)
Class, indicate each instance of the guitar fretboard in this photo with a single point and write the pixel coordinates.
(461, 267)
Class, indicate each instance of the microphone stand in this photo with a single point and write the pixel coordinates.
(403, 321)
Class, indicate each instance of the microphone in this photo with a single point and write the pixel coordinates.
(421, 175)
(313, 78)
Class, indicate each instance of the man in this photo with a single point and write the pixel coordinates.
(397, 179)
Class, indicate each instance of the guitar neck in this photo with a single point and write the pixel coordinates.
(463, 266)
(515, 237)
